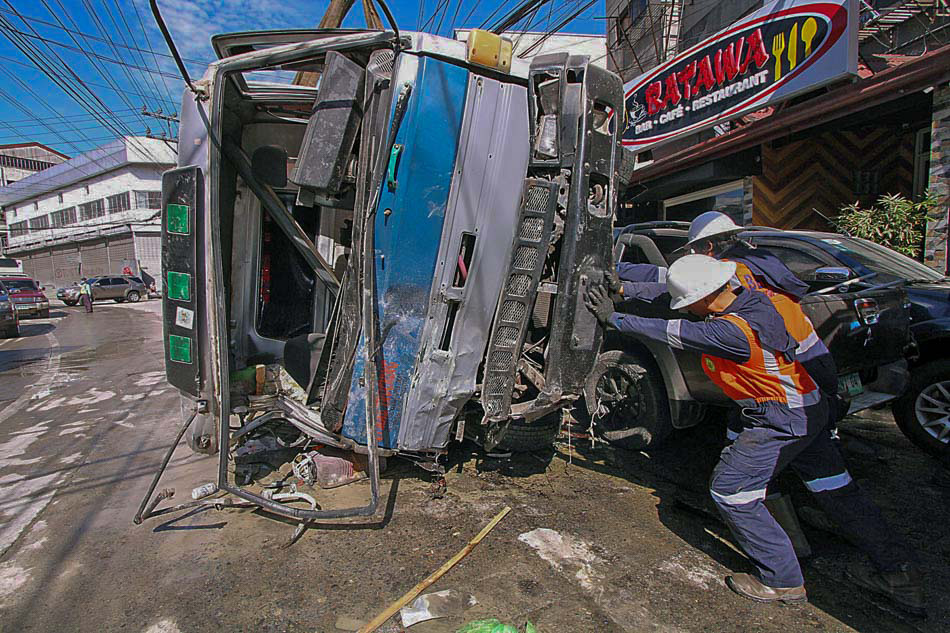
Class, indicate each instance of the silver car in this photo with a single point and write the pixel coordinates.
(119, 288)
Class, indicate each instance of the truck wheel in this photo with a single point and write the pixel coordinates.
(629, 401)
(923, 412)
(524, 437)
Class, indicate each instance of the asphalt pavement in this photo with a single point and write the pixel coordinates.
(597, 540)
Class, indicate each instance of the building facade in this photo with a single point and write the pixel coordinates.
(18, 161)
(799, 163)
(95, 214)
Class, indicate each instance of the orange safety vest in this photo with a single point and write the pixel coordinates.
(797, 324)
(765, 377)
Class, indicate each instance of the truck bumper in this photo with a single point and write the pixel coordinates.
(891, 381)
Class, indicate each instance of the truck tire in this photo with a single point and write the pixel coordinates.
(630, 406)
(923, 412)
(524, 437)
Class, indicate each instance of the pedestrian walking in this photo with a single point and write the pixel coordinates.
(85, 293)
(748, 353)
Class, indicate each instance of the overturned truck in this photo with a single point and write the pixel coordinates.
(392, 260)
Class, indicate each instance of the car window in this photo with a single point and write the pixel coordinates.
(118, 281)
(20, 284)
(104, 282)
(797, 260)
(136, 280)
(881, 259)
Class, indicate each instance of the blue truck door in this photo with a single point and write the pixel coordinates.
(408, 225)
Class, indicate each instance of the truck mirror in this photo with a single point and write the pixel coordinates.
(269, 165)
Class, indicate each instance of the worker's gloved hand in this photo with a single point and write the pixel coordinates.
(614, 286)
(598, 301)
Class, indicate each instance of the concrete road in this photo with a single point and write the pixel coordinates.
(598, 540)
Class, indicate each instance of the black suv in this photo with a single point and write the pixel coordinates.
(639, 390)
(827, 260)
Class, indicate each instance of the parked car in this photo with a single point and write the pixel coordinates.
(119, 288)
(9, 322)
(27, 296)
(642, 390)
(827, 259)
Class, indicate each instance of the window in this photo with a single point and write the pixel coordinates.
(92, 210)
(40, 223)
(148, 199)
(119, 202)
(118, 281)
(63, 217)
(921, 161)
(18, 229)
(725, 198)
(798, 261)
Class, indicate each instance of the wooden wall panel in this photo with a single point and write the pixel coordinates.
(818, 173)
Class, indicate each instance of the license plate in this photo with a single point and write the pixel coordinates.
(850, 384)
(23, 306)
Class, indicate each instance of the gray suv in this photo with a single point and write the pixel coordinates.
(119, 288)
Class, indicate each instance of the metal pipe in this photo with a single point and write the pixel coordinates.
(137, 519)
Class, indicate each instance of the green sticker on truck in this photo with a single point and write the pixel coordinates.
(177, 219)
(179, 286)
(179, 349)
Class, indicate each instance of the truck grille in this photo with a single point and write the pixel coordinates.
(524, 273)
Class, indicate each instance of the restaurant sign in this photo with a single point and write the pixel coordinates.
(784, 49)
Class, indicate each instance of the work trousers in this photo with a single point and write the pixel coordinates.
(87, 302)
(759, 453)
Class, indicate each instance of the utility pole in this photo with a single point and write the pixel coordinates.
(332, 19)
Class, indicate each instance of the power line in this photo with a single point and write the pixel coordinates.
(36, 20)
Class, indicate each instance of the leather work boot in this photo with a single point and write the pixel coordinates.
(902, 587)
(748, 586)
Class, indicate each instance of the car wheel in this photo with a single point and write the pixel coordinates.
(923, 412)
(133, 296)
(119, 299)
(524, 437)
(70, 303)
(44, 314)
(629, 401)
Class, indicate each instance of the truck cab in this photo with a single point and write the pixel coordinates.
(392, 259)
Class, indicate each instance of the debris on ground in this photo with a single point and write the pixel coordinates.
(494, 626)
(439, 604)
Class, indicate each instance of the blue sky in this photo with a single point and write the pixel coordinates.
(34, 108)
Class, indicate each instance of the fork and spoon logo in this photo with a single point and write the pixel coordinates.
(808, 31)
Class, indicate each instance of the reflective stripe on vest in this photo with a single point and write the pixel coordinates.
(765, 377)
(796, 322)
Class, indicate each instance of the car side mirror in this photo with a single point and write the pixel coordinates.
(831, 273)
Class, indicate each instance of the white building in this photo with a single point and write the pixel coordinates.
(19, 160)
(528, 44)
(95, 214)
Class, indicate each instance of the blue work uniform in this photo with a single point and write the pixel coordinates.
(749, 353)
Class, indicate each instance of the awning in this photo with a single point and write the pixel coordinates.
(925, 71)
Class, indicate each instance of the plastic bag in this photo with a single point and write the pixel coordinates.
(494, 626)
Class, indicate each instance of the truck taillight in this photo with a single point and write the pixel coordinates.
(867, 310)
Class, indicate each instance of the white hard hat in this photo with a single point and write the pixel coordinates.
(693, 277)
(711, 224)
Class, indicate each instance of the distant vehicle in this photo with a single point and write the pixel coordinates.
(10, 266)
(27, 296)
(119, 288)
(9, 322)
(866, 328)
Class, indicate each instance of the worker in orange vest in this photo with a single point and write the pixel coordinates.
(748, 352)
